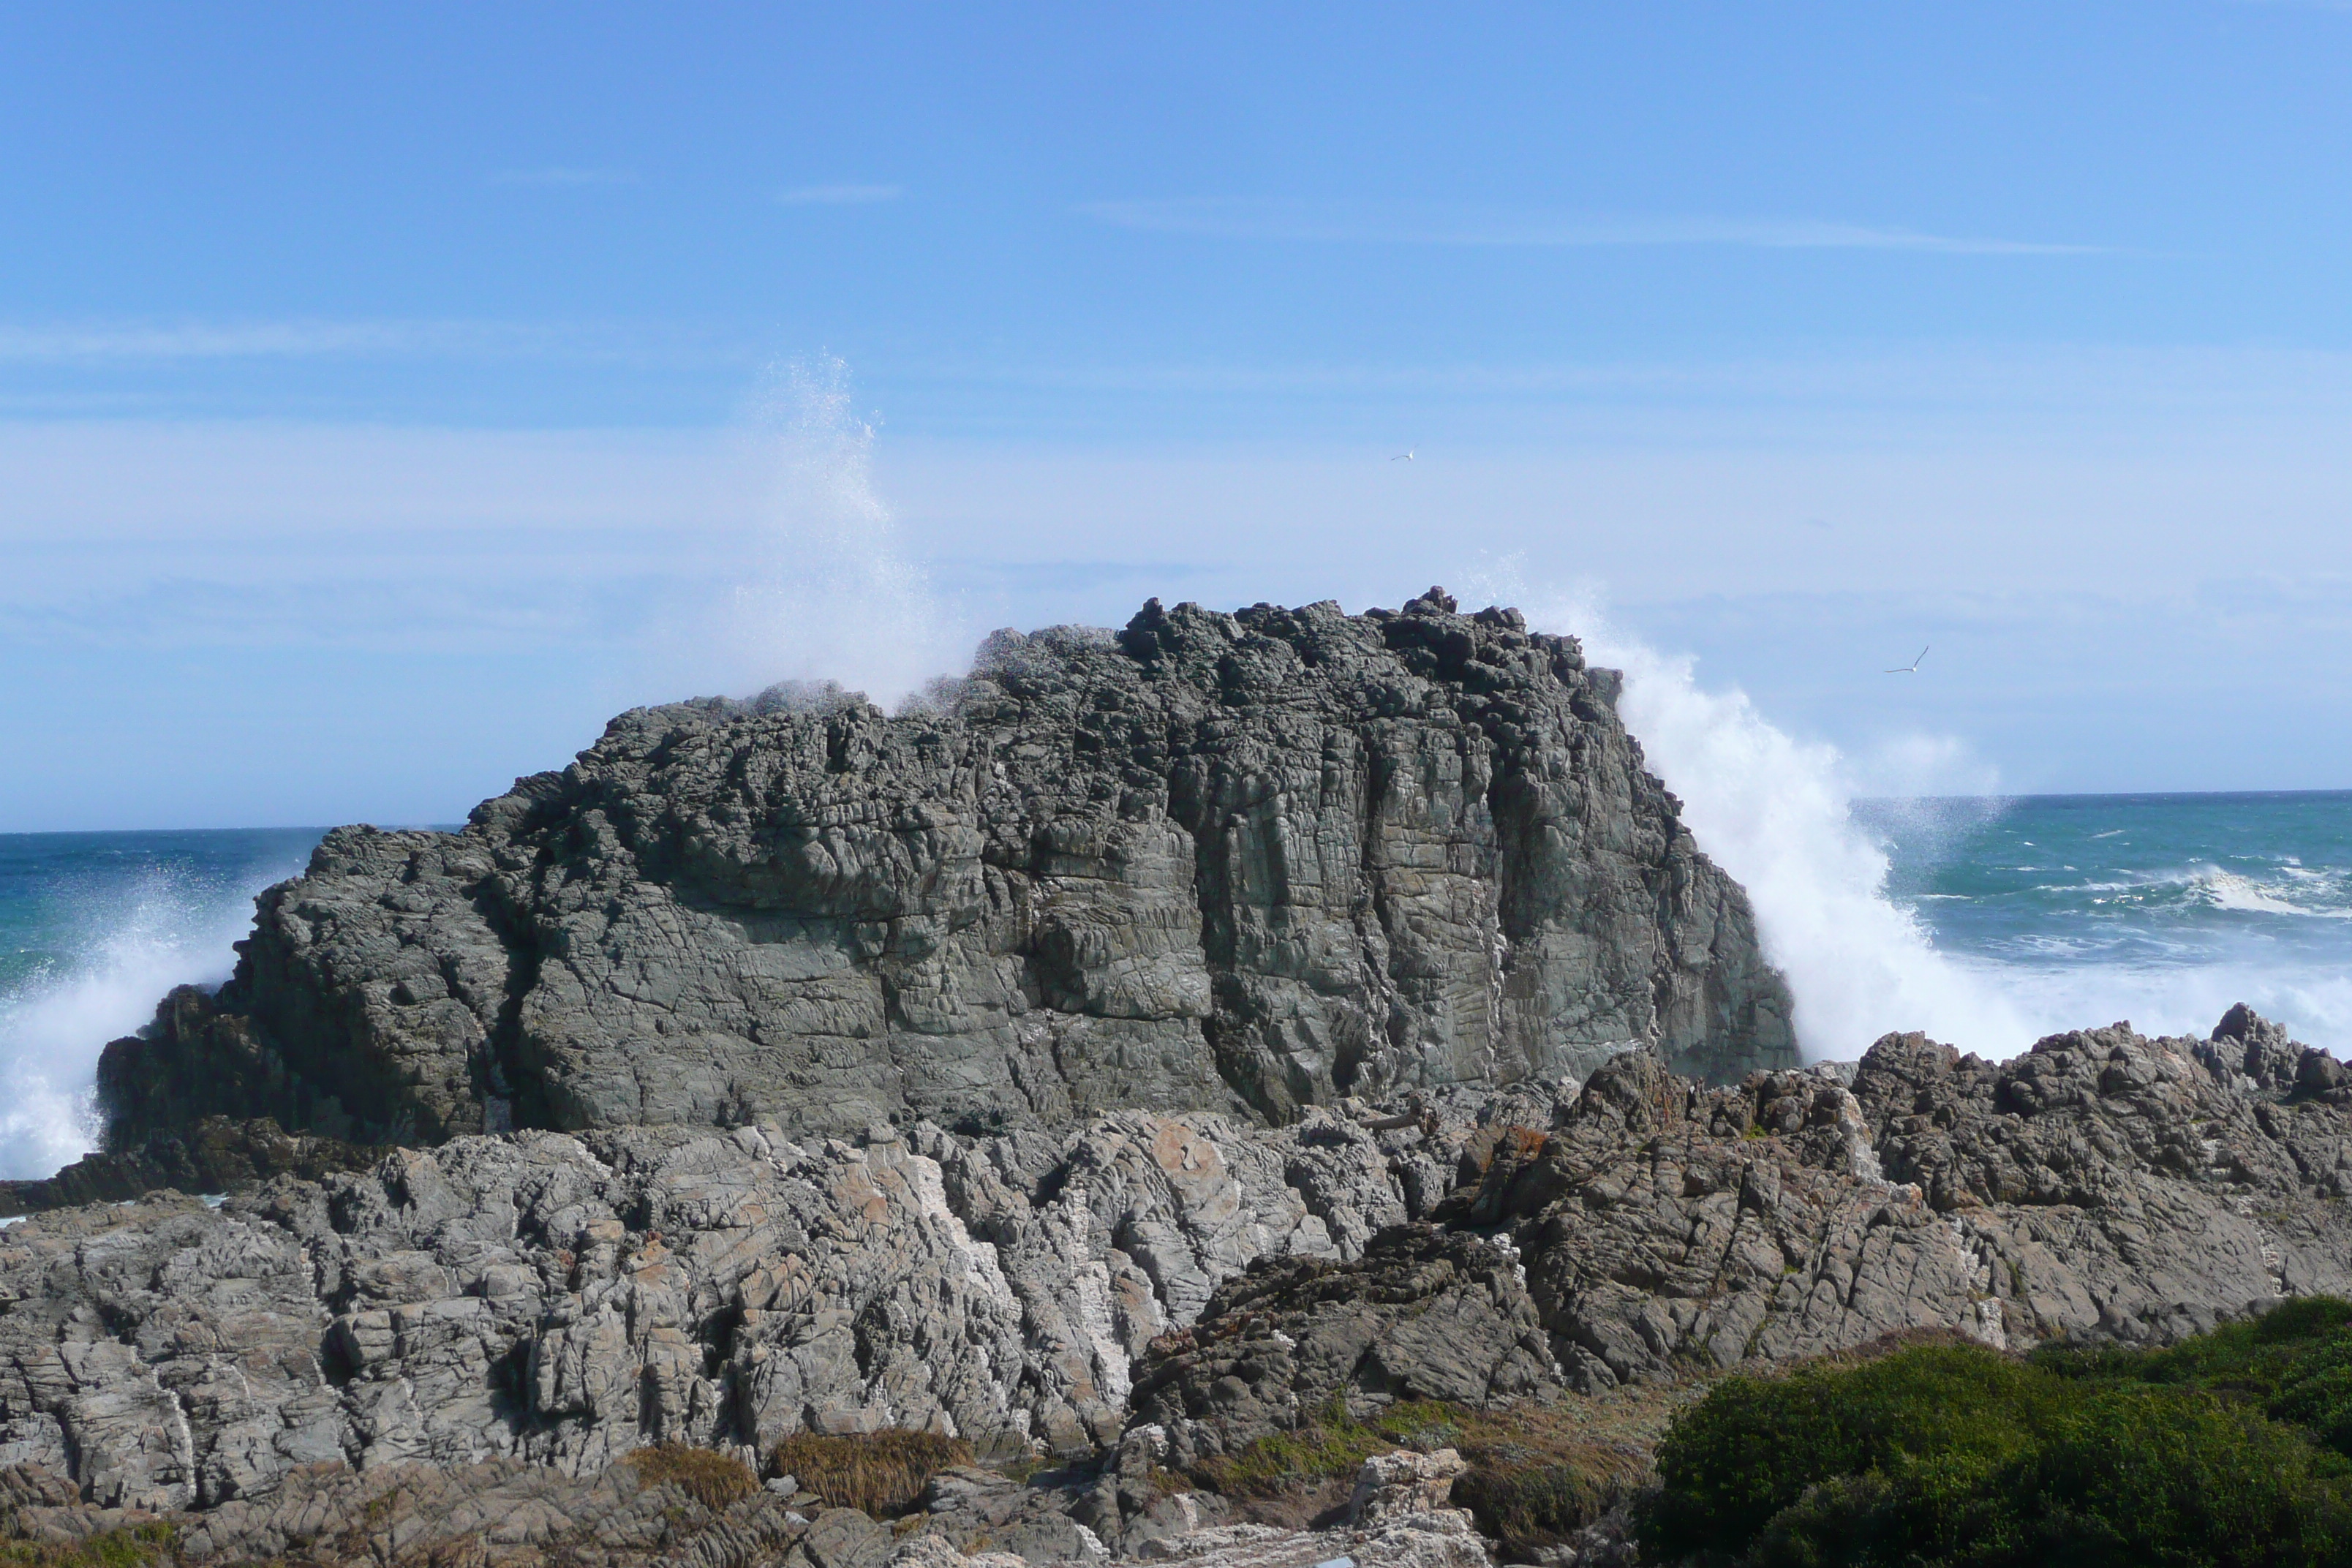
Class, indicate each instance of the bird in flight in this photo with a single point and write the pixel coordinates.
(1912, 668)
(1405, 456)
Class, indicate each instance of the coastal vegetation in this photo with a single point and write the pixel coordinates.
(2231, 1447)
(880, 1473)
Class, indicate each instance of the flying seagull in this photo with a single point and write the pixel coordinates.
(1912, 668)
(1405, 456)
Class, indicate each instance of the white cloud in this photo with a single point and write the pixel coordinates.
(839, 195)
(1895, 377)
(1398, 222)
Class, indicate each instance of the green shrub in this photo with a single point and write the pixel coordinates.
(881, 1473)
(2297, 1358)
(1938, 1417)
(151, 1545)
(1953, 1456)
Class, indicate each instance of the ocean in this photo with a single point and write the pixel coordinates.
(1987, 922)
(94, 928)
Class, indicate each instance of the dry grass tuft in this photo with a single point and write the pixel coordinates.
(1537, 1471)
(716, 1480)
(881, 1473)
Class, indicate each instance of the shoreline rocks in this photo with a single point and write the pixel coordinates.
(560, 1302)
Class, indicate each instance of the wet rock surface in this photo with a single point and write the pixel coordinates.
(1249, 863)
(213, 1154)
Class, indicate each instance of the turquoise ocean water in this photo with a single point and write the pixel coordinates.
(2055, 910)
(2160, 909)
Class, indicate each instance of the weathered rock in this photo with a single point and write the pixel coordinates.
(1261, 860)
(1441, 1539)
(540, 1305)
(1397, 1486)
(564, 1300)
(1423, 1314)
(499, 1514)
(2102, 1185)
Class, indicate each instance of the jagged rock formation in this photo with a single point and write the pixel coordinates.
(1251, 862)
(1423, 1313)
(562, 1300)
(566, 1300)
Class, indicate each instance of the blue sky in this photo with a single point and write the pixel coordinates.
(386, 395)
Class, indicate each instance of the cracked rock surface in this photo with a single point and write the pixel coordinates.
(514, 1314)
(1245, 862)
(2102, 1185)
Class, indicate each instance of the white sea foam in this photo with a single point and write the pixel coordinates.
(169, 931)
(1776, 812)
(2227, 890)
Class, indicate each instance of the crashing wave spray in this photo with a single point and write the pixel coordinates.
(1773, 812)
(828, 592)
(176, 931)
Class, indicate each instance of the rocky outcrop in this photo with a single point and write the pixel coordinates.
(564, 1300)
(499, 1514)
(1143, 1289)
(1251, 862)
(1423, 1314)
(2102, 1185)
(211, 1155)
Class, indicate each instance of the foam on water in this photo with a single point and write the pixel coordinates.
(112, 947)
(2170, 950)
(1774, 812)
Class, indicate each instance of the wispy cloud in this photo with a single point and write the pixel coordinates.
(1385, 223)
(839, 195)
(106, 341)
(564, 177)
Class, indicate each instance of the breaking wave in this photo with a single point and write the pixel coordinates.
(104, 960)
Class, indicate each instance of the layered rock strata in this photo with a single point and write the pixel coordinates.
(562, 1300)
(1251, 862)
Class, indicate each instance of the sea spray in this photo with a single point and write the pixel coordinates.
(827, 589)
(1863, 958)
(1775, 813)
(116, 920)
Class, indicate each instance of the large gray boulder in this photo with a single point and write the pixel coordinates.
(1250, 862)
